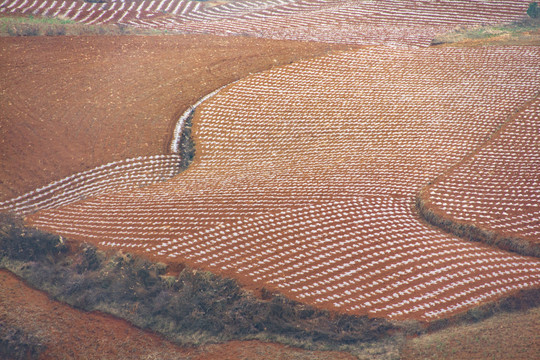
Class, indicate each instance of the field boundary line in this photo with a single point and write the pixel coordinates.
(463, 229)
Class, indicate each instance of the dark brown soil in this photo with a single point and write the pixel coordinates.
(73, 103)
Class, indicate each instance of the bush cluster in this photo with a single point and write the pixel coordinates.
(15, 344)
(191, 308)
(187, 144)
(20, 243)
(533, 10)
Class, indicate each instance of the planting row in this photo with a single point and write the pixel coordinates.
(409, 22)
(358, 22)
(115, 176)
(305, 177)
(498, 188)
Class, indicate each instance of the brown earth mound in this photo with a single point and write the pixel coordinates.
(73, 103)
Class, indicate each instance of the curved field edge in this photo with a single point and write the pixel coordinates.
(467, 230)
(473, 232)
(193, 308)
(163, 79)
(187, 306)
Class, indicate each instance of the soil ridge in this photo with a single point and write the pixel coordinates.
(467, 230)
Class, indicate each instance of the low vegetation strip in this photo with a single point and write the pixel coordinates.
(334, 225)
(191, 308)
(494, 195)
(31, 25)
(523, 32)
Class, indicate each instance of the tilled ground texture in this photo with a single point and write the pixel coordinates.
(70, 104)
(305, 176)
(495, 189)
(388, 22)
(305, 180)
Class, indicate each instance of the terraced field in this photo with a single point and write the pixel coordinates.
(394, 22)
(496, 189)
(305, 179)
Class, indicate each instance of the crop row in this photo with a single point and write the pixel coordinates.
(119, 11)
(359, 22)
(409, 22)
(116, 176)
(498, 188)
(305, 177)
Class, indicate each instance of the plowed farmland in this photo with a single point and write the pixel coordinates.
(386, 22)
(69, 106)
(305, 177)
(351, 179)
(496, 189)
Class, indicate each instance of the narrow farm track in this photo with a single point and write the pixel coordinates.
(390, 22)
(305, 178)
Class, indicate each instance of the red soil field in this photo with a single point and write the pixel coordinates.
(70, 333)
(389, 22)
(496, 188)
(305, 178)
(70, 104)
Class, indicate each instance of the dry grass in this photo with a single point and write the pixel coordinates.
(472, 232)
(524, 33)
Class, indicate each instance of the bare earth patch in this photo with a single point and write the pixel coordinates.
(70, 104)
(66, 332)
(505, 336)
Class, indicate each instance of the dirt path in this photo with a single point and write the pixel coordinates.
(73, 103)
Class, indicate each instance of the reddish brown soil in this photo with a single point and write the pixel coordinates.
(505, 336)
(302, 230)
(74, 103)
(236, 350)
(68, 333)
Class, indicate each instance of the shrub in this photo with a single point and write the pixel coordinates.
(21, 243)
(187, 144)
(533, 10)
(16, 344)
(24, 30)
